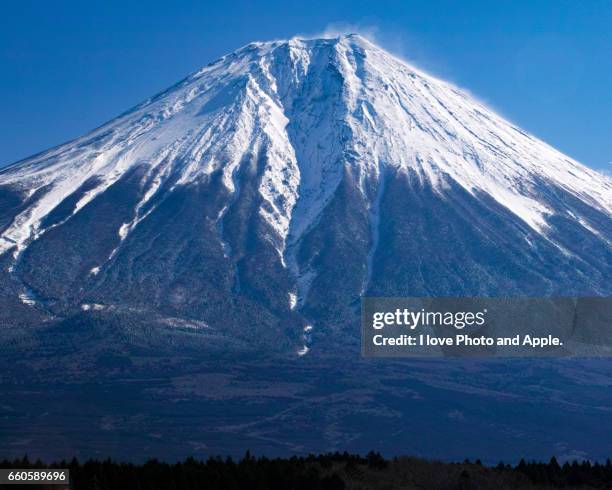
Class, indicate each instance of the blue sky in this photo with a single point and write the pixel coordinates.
(67, 66)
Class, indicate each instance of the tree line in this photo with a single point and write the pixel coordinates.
(331, 471)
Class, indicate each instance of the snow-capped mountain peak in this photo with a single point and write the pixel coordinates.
(287, 132)
(314, 107)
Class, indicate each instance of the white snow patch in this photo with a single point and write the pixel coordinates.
(292, 301)
(92, 307)
(27, 299)
(307, 338)
(185, 323)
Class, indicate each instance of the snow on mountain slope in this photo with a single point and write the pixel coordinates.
(283, 181)
(371, 112)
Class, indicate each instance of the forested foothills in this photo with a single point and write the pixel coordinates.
(332, 471)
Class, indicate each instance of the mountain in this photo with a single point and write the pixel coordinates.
(266, 192)
(186, 278)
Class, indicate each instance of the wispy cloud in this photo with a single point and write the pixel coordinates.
(336, 29)
(606, 171)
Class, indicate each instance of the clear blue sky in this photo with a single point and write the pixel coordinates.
(67, 66)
